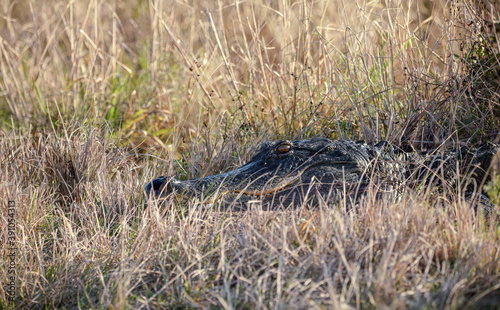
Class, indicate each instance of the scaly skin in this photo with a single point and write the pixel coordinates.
(297, 172)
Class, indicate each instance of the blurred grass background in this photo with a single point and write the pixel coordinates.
(98, 97)
(159, 71)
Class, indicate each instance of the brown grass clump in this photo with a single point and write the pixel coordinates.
(99, 97)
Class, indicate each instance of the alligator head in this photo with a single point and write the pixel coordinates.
(286, 169)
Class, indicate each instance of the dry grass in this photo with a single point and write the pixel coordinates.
(98, 97)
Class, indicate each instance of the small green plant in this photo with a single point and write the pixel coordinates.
(492, 189)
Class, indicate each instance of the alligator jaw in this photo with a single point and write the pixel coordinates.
(236, 183)
(164, 186)
(264, 193)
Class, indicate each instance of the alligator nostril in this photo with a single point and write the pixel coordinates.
(154, 187)
(156, 183)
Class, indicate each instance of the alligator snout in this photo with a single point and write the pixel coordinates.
(275, 169)
(164, 186)
(155, 187)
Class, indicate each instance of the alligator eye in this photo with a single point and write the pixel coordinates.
(284, 148)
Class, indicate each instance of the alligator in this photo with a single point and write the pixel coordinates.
(298, 173)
